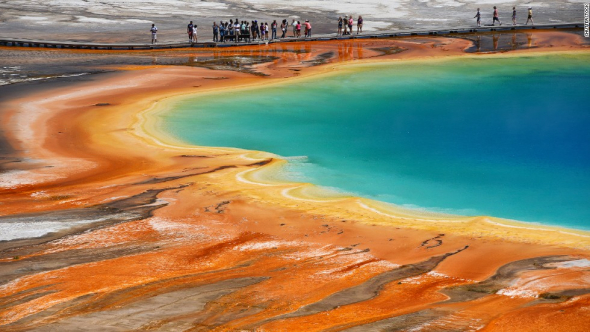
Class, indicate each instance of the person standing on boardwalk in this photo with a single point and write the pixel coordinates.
(350, 23)
(530, 17)
(262, 32)
(253, 30)
(307, 29)
(298, 26)
(215, 32)
(237, 30)
(284, 26)
(345, 23)
(496, 18)
(478, 16)
(189, 31)
(222, 31)
(153, 30)
(274, 29)
(194, 33)
(340, 26)
(513, 15)
(294, 24)
(359, 25)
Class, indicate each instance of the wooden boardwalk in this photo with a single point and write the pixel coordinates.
(390, 34)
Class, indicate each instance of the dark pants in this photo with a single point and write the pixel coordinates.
(274, 34)
(215, 36)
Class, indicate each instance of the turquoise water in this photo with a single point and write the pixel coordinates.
(506, 137)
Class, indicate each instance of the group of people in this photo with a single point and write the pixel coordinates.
(496, 17)
(345, 25)
(191, 30)
(236, 29)
(253, 30)
(233, 30)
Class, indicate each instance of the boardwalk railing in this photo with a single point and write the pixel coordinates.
(389, 34)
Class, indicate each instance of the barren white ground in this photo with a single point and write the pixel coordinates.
(129, 20)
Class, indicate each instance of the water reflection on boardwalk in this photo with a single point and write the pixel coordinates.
(27, 64)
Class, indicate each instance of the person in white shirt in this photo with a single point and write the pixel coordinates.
(153, 30)
(194, 33)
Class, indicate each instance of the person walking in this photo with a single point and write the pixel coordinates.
(359, 25)
(153, 30)
(478, 16)
(530, 17)
(307, 29)
(513, 15)
(189, 31)
(496, 18)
